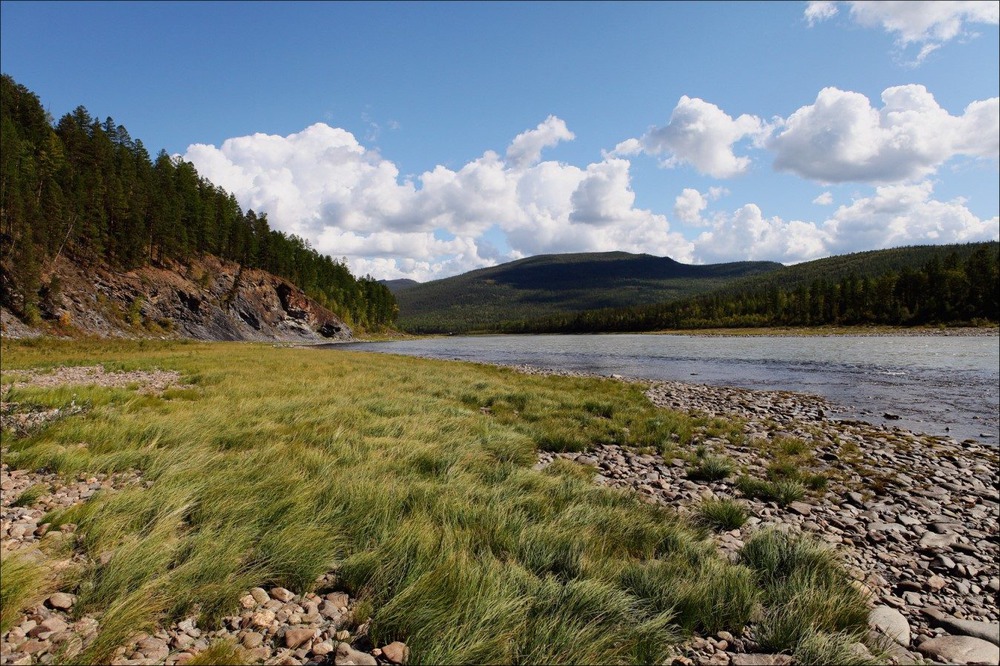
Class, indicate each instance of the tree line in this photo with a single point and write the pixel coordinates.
(86, 188)
(947, 290)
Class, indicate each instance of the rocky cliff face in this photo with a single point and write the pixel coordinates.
(208, 299)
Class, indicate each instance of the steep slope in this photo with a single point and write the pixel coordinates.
(87, 192)
(205, 299)
(549, 284)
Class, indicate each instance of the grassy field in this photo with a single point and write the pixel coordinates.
(412, 479)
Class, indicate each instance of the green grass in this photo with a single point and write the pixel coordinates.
(711, 468)
(783, 491)
(31, 494)
(720, 514)
(283, 464)
(805, 591)
(23, 582)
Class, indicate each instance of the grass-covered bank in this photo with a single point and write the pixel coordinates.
(412, 478)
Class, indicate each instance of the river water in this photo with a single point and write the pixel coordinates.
(938, 385)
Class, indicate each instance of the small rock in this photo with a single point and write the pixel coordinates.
(282, 594)
(322, 649)
(61, 600)
(397, 652)
(936, 583)
(933, 541)
(252, 640)
(890, 622)
(348, 656)
(248, 601)
(961, 650)
(262, 618)
(800, 508)
(260, 595)
(338, 599)
(297, 637)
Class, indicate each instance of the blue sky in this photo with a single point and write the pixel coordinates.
(422, 139)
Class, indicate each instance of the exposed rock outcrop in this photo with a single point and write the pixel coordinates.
(206, 299)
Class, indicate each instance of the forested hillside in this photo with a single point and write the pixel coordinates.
(489, 298)
(85, 189)
(954, 284)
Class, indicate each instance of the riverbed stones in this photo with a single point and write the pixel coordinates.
(988, 631)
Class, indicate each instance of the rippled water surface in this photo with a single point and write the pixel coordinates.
(931, 382)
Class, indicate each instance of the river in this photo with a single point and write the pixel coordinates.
(937, 385)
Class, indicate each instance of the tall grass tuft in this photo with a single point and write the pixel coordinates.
(804, 588)
(721, 514)
(711, 468)
(24, 580)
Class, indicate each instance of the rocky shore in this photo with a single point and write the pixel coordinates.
(914, 517)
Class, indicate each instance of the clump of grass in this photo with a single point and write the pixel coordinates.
(804, 589)
(721, 514)
(782, 469)
(818, 648)
(31, 494)
(222, 652)
(815, 482)
(783, 491)
(790, 446)
(711, 468)
(23, 581)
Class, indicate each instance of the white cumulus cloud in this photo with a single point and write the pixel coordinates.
(841, 137)
(701, 134)
(689, 204)
(893, 216)
(927, 25)
(526, 148)
(347, 200)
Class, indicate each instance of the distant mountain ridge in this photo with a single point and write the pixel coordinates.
(544, 285)
(398, 285)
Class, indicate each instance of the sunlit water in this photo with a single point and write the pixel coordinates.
(931, 382)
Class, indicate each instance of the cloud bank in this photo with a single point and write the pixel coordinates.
(322, 184)
(348, 200)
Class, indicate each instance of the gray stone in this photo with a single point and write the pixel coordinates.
(987, 631)
(933, 541)
(890, 622)
(348, 656)
(961, 650)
